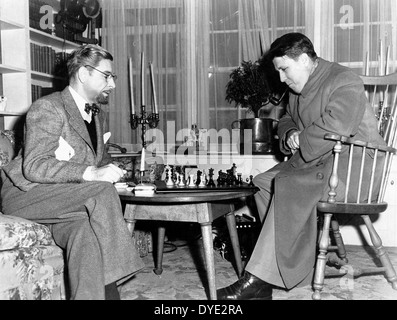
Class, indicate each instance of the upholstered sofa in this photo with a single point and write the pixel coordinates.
(31, 264)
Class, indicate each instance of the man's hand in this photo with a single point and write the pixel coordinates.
(293, 141)
(110, 173)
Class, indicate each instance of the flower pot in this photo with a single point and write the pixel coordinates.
(256, 135)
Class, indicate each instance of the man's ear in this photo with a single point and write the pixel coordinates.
(82, 74)
(305, 59)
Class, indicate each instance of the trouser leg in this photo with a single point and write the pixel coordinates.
(83, 258)
(263, 262)
(264, 181)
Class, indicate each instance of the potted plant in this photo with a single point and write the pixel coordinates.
(249, 87)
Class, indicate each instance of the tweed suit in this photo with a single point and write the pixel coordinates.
(85, 217)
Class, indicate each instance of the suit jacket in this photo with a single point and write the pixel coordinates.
(57, 127)
(333, 100)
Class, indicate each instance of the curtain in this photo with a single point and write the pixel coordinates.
(195, 44)
(156, 29)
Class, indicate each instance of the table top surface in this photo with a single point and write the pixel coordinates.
(187, 197)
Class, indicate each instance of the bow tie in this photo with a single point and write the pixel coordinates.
(94, 109)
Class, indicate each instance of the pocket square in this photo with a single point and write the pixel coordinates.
(106, 137)
(64, 152)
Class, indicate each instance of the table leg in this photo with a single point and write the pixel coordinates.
(130, 225)
(231, 225)
(206, 231)
(160, 249)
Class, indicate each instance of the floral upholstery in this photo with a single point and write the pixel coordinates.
(31, 264)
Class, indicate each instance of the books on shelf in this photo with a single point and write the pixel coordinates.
(38, 91)
(46, 60)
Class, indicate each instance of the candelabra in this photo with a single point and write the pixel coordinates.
(152, 120)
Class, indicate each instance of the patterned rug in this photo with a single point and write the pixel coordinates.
(184, 277)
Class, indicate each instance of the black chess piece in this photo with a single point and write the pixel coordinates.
(221, 178)
(251, 183)
(211, 182)
(239, 179)
(198, 180)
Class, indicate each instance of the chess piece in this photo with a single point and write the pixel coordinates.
(169, 181)
(211, 182)
(202, 180)
(177, 176)
(239, 179)
(251, 183)
(192, 182)
(221, 178)
(182, 180)
(198, 179)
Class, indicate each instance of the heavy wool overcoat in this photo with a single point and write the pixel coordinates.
(332, 101)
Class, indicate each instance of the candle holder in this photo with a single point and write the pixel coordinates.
(152, 120)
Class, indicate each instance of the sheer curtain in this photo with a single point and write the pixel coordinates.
(158, 29)
(195, 44)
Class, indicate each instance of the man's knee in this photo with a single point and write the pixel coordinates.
(263, 180)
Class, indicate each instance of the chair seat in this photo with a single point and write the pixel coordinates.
(351, 208)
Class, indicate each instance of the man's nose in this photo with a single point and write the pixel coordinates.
(112, 83)
(282, 77)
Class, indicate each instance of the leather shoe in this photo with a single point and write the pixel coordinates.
(248, 287)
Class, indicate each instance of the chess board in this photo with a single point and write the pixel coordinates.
(162, 187)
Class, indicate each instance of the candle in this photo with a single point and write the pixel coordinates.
(381, 61)
(142, 79)
(143, 160)
(131, 87)
(153, 89)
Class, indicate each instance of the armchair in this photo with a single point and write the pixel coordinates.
(31, 264)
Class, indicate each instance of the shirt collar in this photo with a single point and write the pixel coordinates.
(80, 102)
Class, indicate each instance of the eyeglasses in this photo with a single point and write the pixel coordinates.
(108, 76)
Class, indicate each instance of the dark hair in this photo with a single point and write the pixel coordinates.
(88, 54)
(292, 45)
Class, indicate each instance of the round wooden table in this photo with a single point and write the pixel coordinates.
(202, 207)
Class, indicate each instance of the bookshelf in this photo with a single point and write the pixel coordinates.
(25, 77)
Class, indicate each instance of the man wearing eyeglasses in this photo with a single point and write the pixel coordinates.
(64, 178)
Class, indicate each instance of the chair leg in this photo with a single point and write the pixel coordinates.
(381, 252)
(318, 282)
(231, 225)
(339, 241)
(160, 249)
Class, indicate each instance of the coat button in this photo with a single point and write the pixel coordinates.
(320, 176)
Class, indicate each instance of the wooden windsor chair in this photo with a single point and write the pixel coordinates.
(363, 194)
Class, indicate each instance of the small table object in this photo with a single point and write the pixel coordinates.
(189, 207)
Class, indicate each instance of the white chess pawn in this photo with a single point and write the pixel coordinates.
(203, 180)
(192, 183)
(182, 180)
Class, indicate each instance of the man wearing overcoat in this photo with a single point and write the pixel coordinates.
(325, 97)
